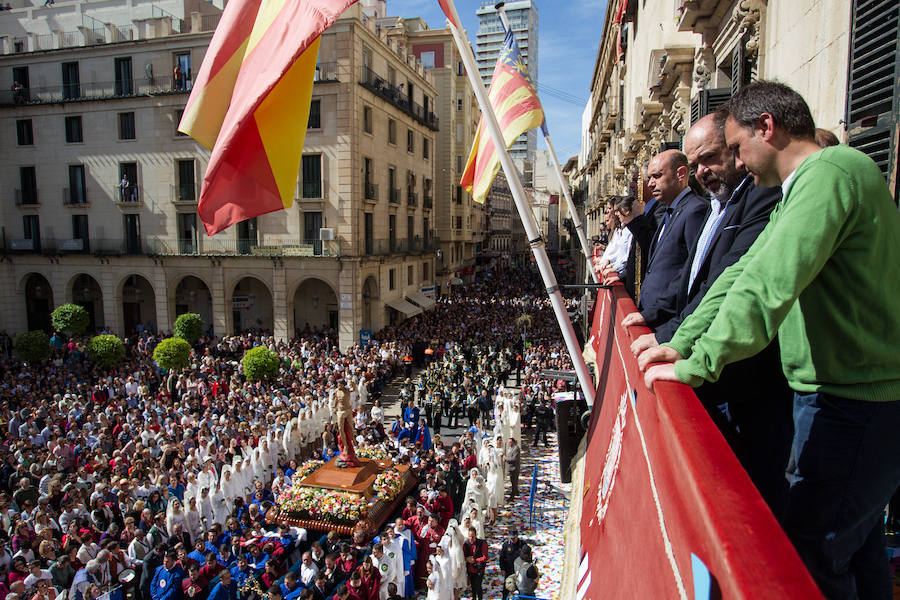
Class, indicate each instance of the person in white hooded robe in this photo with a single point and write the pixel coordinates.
(441, 559)
(192, 523)
(174, 515)
(475, 492)
(457, 556)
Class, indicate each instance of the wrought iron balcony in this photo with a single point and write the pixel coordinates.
(396, 96)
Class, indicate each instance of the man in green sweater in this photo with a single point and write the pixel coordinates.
(825, 276)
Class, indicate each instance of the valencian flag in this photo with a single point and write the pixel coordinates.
(250, 105)
(518, 109)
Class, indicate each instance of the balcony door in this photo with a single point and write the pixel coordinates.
(312, 223)
(124, 77)
(71, 81)
(247, 233)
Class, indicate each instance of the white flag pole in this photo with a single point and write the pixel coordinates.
(518, 193)
(573, 214)
(576, 221)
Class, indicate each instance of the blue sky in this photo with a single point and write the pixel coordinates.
(569, 35)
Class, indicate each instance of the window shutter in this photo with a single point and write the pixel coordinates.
(873, 87)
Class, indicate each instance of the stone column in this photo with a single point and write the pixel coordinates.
(349, 304)
(161, 290)
(112, 301)
(220, 304)
(279, 302)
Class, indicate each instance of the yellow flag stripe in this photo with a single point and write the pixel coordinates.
(281, 119)
(268, 12)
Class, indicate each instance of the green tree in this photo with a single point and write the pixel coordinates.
(70, 318)
(172, 353)
(260, 363)
(32, 346)
(106, 351)
(189, 326)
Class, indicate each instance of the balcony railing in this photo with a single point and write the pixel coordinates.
(74, 199)
(412, 198)
(395, 196)
(396, 96)
(400, 246)
(28, 198)
(428, 201)
(96, 90)
(311, 190)
(371, 191)
(126, 194)
(185, 192)
(326, 72)
(240, 247)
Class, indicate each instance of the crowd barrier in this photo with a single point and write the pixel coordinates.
(666, 511)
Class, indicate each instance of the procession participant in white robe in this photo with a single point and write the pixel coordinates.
(394, 550)
(221, 507)
(362, 390)
(457, 556)
(248, 479)
(515, 421)
(286, 439)
(441, 558)
(495, 483)
(475, 491)
(435, 580)
(174, 515)
(204, 504)
(387, 568)
(207, 478)
(484, 457)
(192, 523)
(474, 520)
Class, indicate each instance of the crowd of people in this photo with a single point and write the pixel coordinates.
(769, 283)
(135, 481)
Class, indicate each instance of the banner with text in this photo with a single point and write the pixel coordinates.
(668, 512)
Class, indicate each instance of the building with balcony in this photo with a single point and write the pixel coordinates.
(657, 72)
(459, 220)
(100, 205)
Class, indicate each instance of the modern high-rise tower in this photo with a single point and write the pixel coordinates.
(523, 18)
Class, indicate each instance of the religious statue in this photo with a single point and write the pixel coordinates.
(343, 421)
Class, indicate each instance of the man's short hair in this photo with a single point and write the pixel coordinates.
(788, 108)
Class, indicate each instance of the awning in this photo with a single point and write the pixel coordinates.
(421, 299)
(407, 308)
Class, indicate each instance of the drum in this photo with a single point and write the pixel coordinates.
(127, 576)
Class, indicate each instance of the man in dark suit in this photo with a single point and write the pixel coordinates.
(751, 401)
(674, 236)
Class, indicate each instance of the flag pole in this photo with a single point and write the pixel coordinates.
(573, 214)
(518, 193)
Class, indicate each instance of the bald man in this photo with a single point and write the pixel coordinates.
(676, 233)
(751, 401)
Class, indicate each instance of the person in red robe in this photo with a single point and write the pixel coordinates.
(442, 507)
(371, 579)
(410, 510)
(427, 540)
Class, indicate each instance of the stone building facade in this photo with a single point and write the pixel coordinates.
(101, 192)
(662, 65)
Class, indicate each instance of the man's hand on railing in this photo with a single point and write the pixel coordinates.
(648, 340)
(659, 354)
(633, 319)
(610, 276)
(664, 372)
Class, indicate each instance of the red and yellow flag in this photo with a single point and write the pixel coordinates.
(250, 105)
(518, 109)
